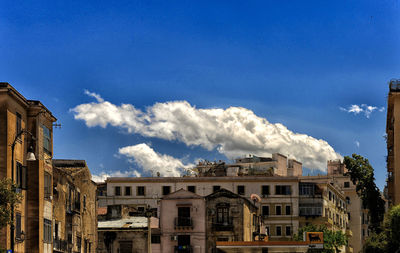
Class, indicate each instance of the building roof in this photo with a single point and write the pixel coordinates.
(127, 223)
(226, 193)
(69, 163)
(201, 179)
(182, 194)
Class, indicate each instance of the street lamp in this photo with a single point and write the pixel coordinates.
(148, 214)
(29, 157)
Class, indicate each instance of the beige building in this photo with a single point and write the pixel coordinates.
(285, 202)
(74, 216)
(230, 217)
(27, 124)
(393, 143)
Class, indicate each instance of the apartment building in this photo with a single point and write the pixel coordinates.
(27, 125)
(282, 206)
(183, 222)
(75, 208)
(393, 143)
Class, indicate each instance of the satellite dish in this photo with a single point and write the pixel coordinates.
(255, 197)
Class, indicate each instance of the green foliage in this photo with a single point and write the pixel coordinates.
(389, 239)
(333, 240)
(392, 228)
(375, 243)
(362, 175)
(8, 197)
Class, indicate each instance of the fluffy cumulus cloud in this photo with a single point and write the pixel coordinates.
(149, 160)
(234, 131)
(103, 175)
(364, 109)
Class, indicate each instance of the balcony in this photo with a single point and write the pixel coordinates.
(310, 211)
(226, 225)
(183, 248)
(183, 223)
(60, 245)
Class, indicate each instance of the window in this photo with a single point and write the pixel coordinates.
(346, 184)
(348, 216)
(117, 190)
(166, 190)
(240, 189)
(156, 239)
(348, 200)
(140, 191)
(84, 201)
(47, 231)
(79, 243)
(140, 209)
(278, 210)
(216, 188)
(267, 230)
(18, 226)
(282, 190)
(278, 230)
(288, 210)
(46, 140)
(306, 189)
(19, 125)
(127, 191)
(265, 210)
(288, 230)
(265, 190)
(77, 201)
(56, 226)
(21, 176)
(330, 196)
(191, 188)
(47, 185)
(223, 214)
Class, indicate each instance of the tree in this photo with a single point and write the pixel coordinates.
(389, 239)
(8, 198)
(333, 240)
(392, 228)
(362, 175)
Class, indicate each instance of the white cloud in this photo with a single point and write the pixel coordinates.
(95, 95)
(363, 108)
(104, 175)
(234, 131)
(357, 143)
(149, 160)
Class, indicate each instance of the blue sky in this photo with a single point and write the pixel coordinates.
(290, 62)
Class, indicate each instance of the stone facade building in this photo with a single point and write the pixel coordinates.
(393, 143)
(74, 198)
(27, 124)
(40, 219)
(230, 217)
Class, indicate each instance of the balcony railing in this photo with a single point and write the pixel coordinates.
(225, 225)
(183, 223)
(310, 211)
(183, 248)
(60, 245)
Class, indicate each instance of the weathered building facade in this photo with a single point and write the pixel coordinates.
(230, 217)
(393, 143)
(27, 124)
(75, 207)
